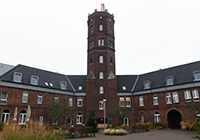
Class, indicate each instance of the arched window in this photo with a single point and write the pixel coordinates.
(101, 59)
(126, 121)
(99, 42)
(5, 116)
(101, 75)
(156, 117)
(102, 42)
(110, 60)
(79, 118)
(22, 117)
(101, 90)
(100, 27)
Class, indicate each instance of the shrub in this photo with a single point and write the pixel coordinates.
(196, 127)
(112, 132)
(106, 132)
(2, 124)
(157, 125)
(187, 125)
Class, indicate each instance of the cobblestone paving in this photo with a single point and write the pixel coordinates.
(165, 134)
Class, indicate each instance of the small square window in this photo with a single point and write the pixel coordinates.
(63, 85)
(3, 98)
(17, 77)
(34, 80)
(25, 97)
(80, 102)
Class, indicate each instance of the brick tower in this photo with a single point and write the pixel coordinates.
(101, 80)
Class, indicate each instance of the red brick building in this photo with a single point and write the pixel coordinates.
(159, 96)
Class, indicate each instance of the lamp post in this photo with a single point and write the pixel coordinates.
(104, 103)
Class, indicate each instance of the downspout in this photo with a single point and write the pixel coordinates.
(133, 98)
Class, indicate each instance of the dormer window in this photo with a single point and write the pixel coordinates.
(63, 85)
(34, 80)
(124, 87)
(17, 77)
(80, 88)
(196, 75)
(169, 80)
(147, 84)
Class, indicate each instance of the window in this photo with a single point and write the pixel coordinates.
(110, 29)
(101, 75)
(79, 118)
(70, 101)
(175, 97)
(101, 105)
(54, 121)
(100, 27)
(101, 59)
(169, 80)
(56, 99)
(34, 80)
(168, 98)
(25, 97)
(80, 88)
(141, 102)
(101, 90)
(110, 60)
(142, 119)
(79, 103)
(124, 87)
(3, 98)
(101, 42)
(39, 100)
(5, 116)
(17, 77)
(91, 44)
(147, 84)
(196, 75)
(90, 60)
(187, 96)
(110, 44)
(63, 85)
(155, 100)
(22, 117)
(128, 102)
(126, 122)
(156, 117)
(121, 102)
(91, 29)
(195, 95)
(69, 120)
(41, 120)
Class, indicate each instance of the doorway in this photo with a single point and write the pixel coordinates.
(174, 119)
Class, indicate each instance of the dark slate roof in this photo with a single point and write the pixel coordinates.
(44, 76)
(182, 74)
(125, 80)
(78, 80)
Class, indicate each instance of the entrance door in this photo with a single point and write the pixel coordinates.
(126, 121)
(174, 119)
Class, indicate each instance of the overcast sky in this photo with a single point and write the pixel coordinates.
(52, 34)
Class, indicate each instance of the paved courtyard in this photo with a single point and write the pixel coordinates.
(165, 134)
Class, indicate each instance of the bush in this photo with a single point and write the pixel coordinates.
(187, 125)
(114, 132)
(2, 124)
(106, 132)
(157, 126)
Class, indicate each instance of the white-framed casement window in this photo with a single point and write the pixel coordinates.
(22, 117)
(79, 102)
(70, 101)
(196, 75)
(168, 98)
(100, 27)
(39, 99)
(156, 117)
(101, 42)
(54, 122)
(91, 29)
(41, 120)
(101, 59)
(5, 116)
(101, 90)
(3, 98)
(155, 99)
(169, 80)
(195, 94)
(56, 99)
(128, 102)
(63, 85)
(187, 96)
(34, 80)
(147, 84)
(101, 105)
(79, 118)
(121, 102)
(25, 97)
(141, 101)
(175, 97)
(17, 77)
(101, 75)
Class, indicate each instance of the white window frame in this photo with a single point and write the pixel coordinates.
(157, 117)
(101, 105)
(39, 99)
(91, 29)
(102, 42)
(141, 101)
(101, 59)
(70, 101)
(25, 97)
(56, 99)
(63, 85)
(3, 100)
(22, 117)
(101, 75)
(169, 80)
(6, 116)
(17, 77)
(41, 120)
(195, 95)
(175, 97)
(168, 98)
(79, 102)
(100, 27)
(101, 90)
(79, 119)
(187, 96)
(99, 42)
(121, 102)
(155, 99)
(128, 102)
(34, 80)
